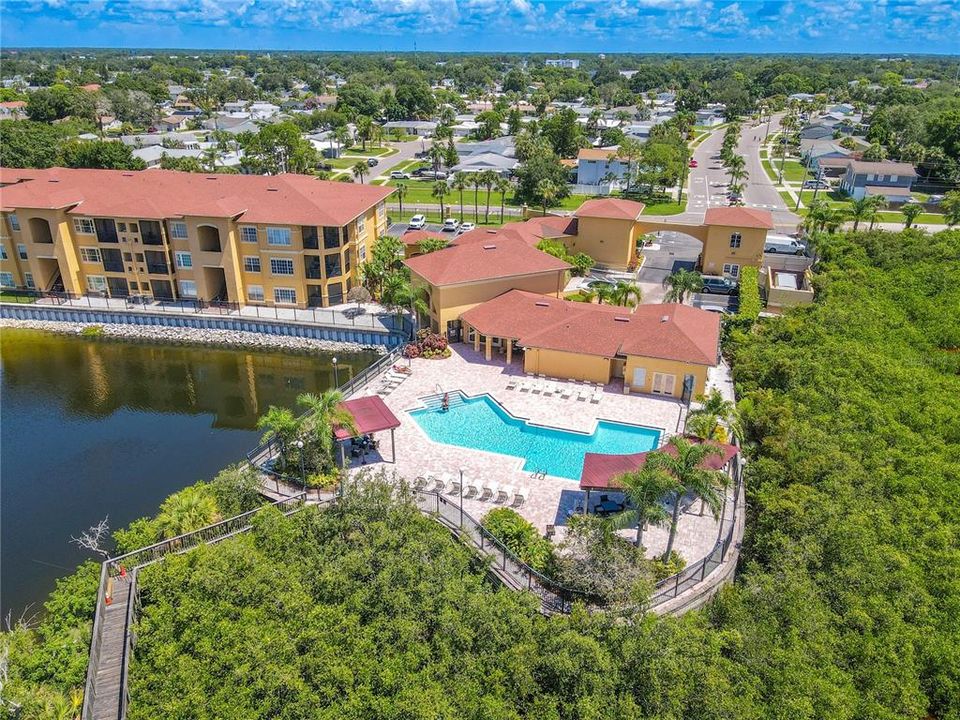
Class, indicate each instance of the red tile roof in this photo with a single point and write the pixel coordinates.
(483, 254)
(612, 208)
(670, 331)
(14, 104)
(370, 414)
(600, 471)
(739, 217)
(157, 194)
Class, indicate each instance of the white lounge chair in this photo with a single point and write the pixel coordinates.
(546, 388)
(493, 489)
(597, 394)
(472, 488)
(583, 393)
(443, 483)
(536, 386)
(512, 383)
(453, 484)
(520, 497)
(506, 491)
(566, 390)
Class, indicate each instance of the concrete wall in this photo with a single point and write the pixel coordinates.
(717, 251)
(609, 242)
(786, 297)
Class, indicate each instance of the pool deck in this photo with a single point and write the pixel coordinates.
(550, 499)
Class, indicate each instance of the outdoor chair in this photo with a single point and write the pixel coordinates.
(566, 391)
(490, 491)
(512, 383)
(506, 491)
(583, 393)
(472, 487)
(521, 496)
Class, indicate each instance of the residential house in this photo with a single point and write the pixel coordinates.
(497, 154)
(891, 180)
(566, 63)
(817, 131)
(420, 128)
(601, 167)
(709, 116)
(288, 240)
(321, 102)
(172, 123)
(13, 110)
(263, 110)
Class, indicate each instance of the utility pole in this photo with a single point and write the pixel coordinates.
(806, 169)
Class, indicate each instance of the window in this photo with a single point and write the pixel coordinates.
(286, 296)
(361, 225)
(731, 269)
(128, 257)
(893, 178)
(134, 228)
(184, 260)
(735, 239)
(14, 222)
(869, 177)
(188, 288)
(663, 384)
(136, 286)
(331, 238)
(251, 264)
(281, 266)
(84, 226)
(3, 252)
(278, 236)
(90, 255)
(122, 227)
(97, 283)
(255, 293)
(22, 251)
(381, 211)
(178, 230)
(248, 233)
(139, 257)
(6, 279)
(362, 252)
(332, 265)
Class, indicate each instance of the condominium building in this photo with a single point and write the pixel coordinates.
(288, 240)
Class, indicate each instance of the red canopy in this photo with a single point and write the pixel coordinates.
(599, 471)
(370, 414)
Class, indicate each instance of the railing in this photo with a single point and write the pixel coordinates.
(146, 556)
(452, 209)
(346, 318)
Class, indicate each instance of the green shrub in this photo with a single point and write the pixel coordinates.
(750, 305)
(92, 331)
(518, 534)
(662, 569)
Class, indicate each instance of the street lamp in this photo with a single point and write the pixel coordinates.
(336, 374)
(303, 474)
(461, 497)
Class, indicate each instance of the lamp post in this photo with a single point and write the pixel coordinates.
(303, 474)
(461, 497)
(336, 374)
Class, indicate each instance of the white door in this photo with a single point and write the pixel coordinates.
(639, 378)
(663, 384)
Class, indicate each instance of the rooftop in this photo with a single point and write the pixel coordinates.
(610, 208)
(159, 194)
(600, 471)
(739, 217)
(883, 168)
(669, 331)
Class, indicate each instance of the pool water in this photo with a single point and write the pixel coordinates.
(481, 423)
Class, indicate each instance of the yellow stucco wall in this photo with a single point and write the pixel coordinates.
(668, 367)
(608, 242)
(554, 363)
(717, 251)
(450, 302)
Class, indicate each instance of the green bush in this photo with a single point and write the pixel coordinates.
(518, 534)
(92, 331)
(663, 569)
(750, 305)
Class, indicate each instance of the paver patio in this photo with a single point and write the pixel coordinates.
(550, 499)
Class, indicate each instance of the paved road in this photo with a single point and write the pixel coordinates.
(709, 182)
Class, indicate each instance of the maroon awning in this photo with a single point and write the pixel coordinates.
(600, 471)
(370, 414)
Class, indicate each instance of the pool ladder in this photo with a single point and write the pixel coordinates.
(539, 474)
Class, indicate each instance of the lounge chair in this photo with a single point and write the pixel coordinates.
(512, 383)
(420, 482)
(506, 491)
(547, 388)
(453, 484)
(443, 483)
(536, 386)
(472, 488)
(492, 488)
(597, 394)
(520, 497)
(565, 391)
(583, 393)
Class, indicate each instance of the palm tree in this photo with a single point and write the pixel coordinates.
(685, 467)
(706, 426)
(910, 213)
(818, 214)
(836, 217)
(605, 294)
(460, 184)
(680, 284)
(736, 168)
(503, 185)
(186, 511)
(401, 294)
(325, 412)
(475, 183)
(360, 169)
(342, 135)
(439, 190)
(645, 489)
(489, 179)
(627, 294)
(401, 192)
(715, 406)
(879, 202)
(861, 209)
(547, 190)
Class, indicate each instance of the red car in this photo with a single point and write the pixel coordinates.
(693, 163)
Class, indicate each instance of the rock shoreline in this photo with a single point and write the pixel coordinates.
(231, 339)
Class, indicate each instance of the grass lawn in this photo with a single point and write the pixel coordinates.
(372, 151)
(787, 198)
(408, 166)
(454, 211)
(699, 139)
(833, 197)
(921, 218)
(666, 208)
(769, 170)
(343, 163)
(13, 297)
(793, 171)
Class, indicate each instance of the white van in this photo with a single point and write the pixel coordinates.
(783, 244)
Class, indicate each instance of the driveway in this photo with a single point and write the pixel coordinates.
(406, 152)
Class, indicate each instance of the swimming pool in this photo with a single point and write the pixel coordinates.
(481, 423)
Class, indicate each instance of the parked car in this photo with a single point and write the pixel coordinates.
(450, 225)
(719, 285)
(371, 162)
(466, 227)
(935, 199)
(693, 163)
(816, 184)
(399, 175)
(324, 166)
(783, 244)
(417, 222)
(719, 309)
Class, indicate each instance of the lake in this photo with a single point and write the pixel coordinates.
(92, 427)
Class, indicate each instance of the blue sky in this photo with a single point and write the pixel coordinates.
(849, 26)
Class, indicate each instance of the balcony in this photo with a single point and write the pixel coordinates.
(312, 267)
(113, 265)
(158, 269)
(150, 233)
(310, 239)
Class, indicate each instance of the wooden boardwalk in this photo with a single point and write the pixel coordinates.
(108, 681)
